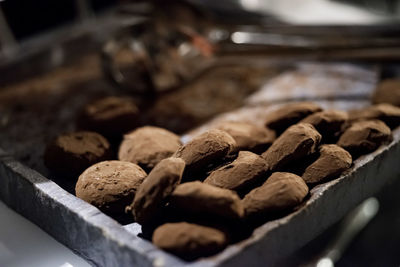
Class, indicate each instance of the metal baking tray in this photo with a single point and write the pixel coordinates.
(27, 187)
(104, 242)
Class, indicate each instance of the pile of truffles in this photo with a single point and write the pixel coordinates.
(194, 199)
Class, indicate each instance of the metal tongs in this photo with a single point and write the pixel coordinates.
(152, 57)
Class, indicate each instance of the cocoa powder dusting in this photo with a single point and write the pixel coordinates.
(281, 191)
(387, 91)
(70, 154)
(207, 200)
(365, 136)
(249, 136)
(247, 170)
(153, 192)
(205, 149)
(148, 145)
(328, 122)
(295, 143)
(387, 113)
(332, 161)
(189, 240)
(111, 116)
(110, 185)
(289, 114)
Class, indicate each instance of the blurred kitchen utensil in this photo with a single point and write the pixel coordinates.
(351, 226)
(7, 40)
(153, 57)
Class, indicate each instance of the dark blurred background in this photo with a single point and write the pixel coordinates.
(27, 18)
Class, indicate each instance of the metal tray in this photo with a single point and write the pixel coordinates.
(105, 242)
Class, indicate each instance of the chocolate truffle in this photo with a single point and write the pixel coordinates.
(387, 91)
(295, 143)
(332, 161)
(159, 184)
(201, 198)
(70, 154)
(365, 136)
(289, 114)
(111, 116)
(281, 191)
(110, 185)
(147, 146)
(387, 113)
(327, 122)
(205, 149)
(249, 136)
(242, 173)
(188, 240)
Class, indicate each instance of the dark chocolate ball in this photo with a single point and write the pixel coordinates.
(70, 154)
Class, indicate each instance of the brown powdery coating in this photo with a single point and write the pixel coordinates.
(388, 91)
(158, 185)
(327, 122)
(110, 185)
(197, 197)
(249, 136)
(205, 149)
(148, 145)
(243, 172)
(365, 136)
(387, 113)
(287, 115)
(189, 240)
(332, 161)
(70, 154)
(295, 143)
(111, 116)
(281, 191)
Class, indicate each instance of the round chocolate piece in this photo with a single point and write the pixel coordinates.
(328, 122)
(297, 142)
(189, 240)
(387, 113)
(364, 137)
(147, 146)
(205, 149)
(70, 154)
(200, 198)
(387, 91)
(110, 185)
(289, 114)
(111, 116)
(282, 191)
(242, 173)
(249, 136)
(159, 184)
(332, 161)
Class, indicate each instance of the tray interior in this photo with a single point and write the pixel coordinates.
(36, 110)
